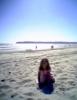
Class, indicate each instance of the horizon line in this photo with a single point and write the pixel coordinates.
(47, 42)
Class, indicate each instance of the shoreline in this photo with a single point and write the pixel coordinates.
(31, 51)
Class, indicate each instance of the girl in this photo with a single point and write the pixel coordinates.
(45, 78)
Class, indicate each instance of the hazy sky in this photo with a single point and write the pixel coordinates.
(46, 20)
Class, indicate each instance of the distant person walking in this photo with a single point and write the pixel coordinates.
(52, 47)
(36, 47)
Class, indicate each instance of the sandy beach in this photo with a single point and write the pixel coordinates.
(18, 74)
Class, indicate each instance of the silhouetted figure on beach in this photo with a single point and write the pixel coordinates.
(45, 78)
(52, 47)
(36, 47)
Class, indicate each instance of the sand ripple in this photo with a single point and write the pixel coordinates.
(18, 72)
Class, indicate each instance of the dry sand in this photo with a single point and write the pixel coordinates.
(18, 72)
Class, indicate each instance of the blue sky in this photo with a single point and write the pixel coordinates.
(38, 20)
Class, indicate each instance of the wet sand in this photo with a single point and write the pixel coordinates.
(18, 74)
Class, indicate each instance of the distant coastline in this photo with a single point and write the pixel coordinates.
(35, 45)
(46, 42)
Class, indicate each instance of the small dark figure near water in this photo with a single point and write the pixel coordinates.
(45, 78)
(52, 47)
(36, 47)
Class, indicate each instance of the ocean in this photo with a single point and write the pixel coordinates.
(21, 47)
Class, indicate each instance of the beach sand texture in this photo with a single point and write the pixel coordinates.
(18, 74)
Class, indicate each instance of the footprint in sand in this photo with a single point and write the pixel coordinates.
(13, 95)
(29, 94)
(4, 87)
(29, 99)
(72, 83)
(24, 81)
(12, 80)
(2, 94)
(3, 80)
(63, 78)
(58, 71)
(9, 72)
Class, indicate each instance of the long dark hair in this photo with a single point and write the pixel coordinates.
(41, 64)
